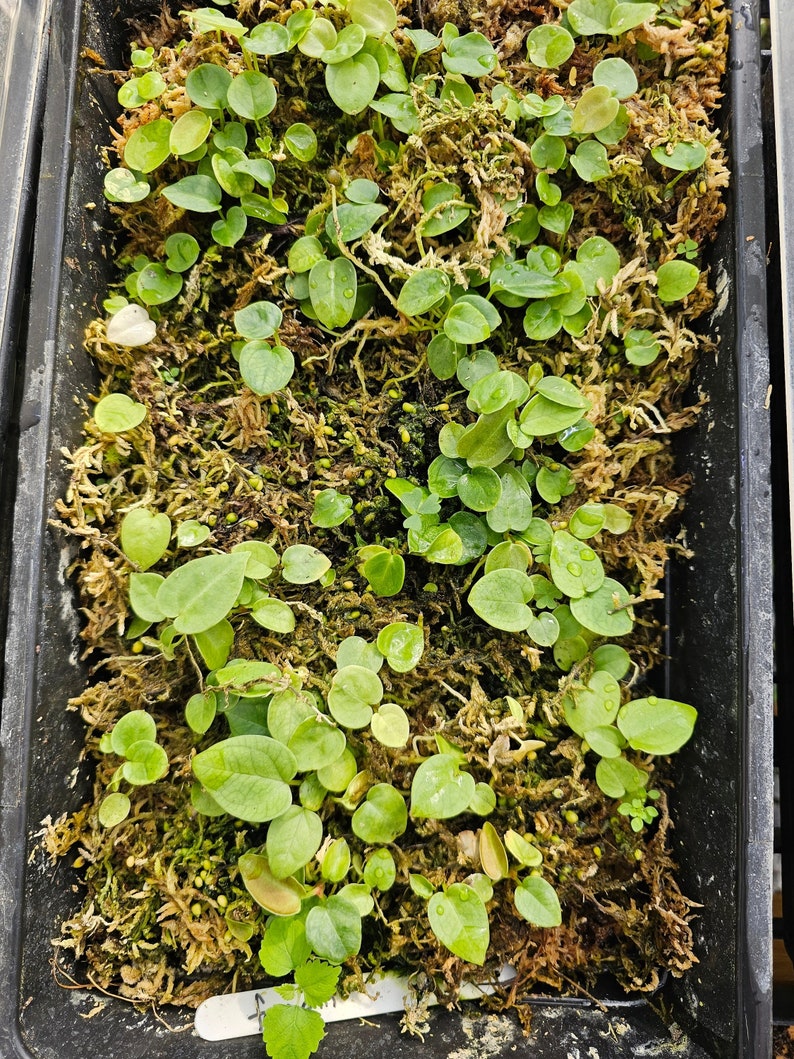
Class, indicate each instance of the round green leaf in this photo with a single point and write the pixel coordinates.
(352, 84)
(331, 508)
(248, 776)
(252, 95)
(497, 390)
(380, 870)
(657, 726)
(443, 476)
(355, 651)
(605, 740)
(292, 840)
(261, 559)
(132, 728)
(349, 42)
(144, 536)
(548, 152)
(466, 324)
(549, 46)
(200, 711)
(258, 320)
(441, 217)
(318, 38)
(315, 744)
(439, 789)
(596, 109)
(459, 920)
(612, 659)
(684, 157)
(591, 162)
(139, 90)
(146, 762)
(604, 610)
(352, 220)
(596, 261)
(302, 564)
(354, 691)
(265, 368)
(500, 598)
(143, 596)
(616, 75)
(676, 279)
(182, 250)
(189, 132)
(471, 54)
(148, 146)
(230, 230)
(575, 568)
(332, 291)
(382, 817)
(200, 194)
(586, 521)
(402, 644)
(273, 614)
(268, 38)
(385, 573)
(337, 775)
(117, 413)
(201, 592)
(536, 901)
(422, 291)
(377, 17)
(390, 725)
(305, 253)
(592, 706)
(207, 85)
(300, 141)
(642, 347)
(113, 809)
(155, 285)
(121, 185)
(333, 928)
(616, 776)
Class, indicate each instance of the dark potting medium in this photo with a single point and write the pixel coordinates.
(720, 645)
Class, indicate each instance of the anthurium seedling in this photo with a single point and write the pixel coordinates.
(134, 738)
(611, 17)
(459, 920)
(474, 291)
(676, 279)
(117, 413)
(549, 46)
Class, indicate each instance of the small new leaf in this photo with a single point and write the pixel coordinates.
(318, 981)
(292, 1032)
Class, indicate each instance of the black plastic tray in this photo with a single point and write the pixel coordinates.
(720, 615)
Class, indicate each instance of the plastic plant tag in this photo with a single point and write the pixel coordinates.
(231, 1015)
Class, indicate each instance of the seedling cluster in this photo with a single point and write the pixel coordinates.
(395, 665)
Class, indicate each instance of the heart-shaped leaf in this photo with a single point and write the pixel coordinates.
(144, 536)
(459, 920)
(536, 901)
(248, 776)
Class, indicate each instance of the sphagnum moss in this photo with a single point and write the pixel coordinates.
(404, 330)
